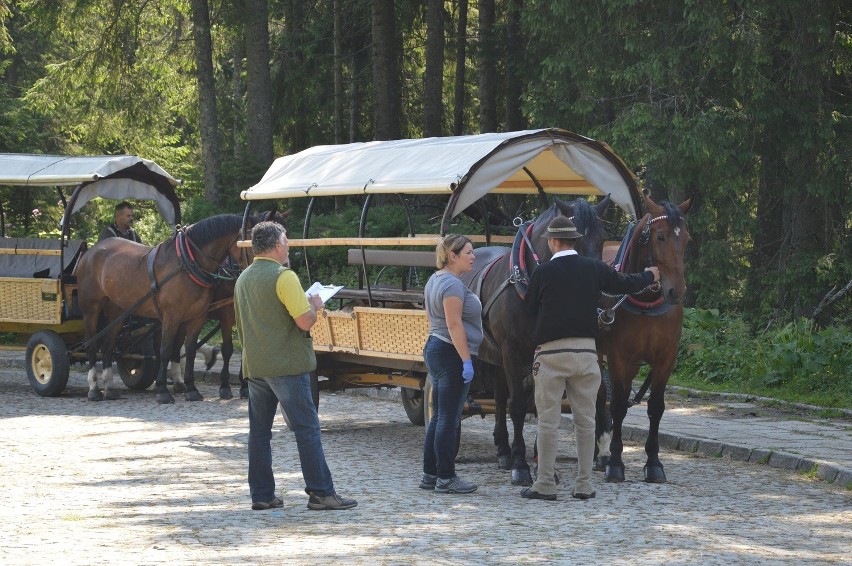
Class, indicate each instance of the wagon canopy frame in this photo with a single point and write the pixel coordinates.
(117, 177)
(551, 161)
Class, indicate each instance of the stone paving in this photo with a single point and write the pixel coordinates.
(133, 482)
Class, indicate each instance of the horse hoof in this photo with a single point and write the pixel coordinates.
(243, 393)
(95, 395)
(165, 398)
(601, 463)
(193, 396)
(226, 394)
(521, 477)
(614, 473)
(503, 462)
(180, 387)
(112, 395)
(654, 474)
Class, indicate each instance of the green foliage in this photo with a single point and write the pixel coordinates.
(794, 361)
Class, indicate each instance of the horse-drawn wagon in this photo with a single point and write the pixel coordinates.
(38, 284)
(376, 343)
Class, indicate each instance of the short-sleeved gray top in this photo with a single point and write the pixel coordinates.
(441, 285)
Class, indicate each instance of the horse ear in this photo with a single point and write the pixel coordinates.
(653, 208)
(287, 213)
(601, 207)
(686, 205)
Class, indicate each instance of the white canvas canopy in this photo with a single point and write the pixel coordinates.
(466, 167)
(117, 177)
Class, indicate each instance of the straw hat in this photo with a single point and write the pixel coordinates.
(561, 227)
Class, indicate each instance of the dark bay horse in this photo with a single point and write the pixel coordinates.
(646, 329)
(507, 351)
(172, 282)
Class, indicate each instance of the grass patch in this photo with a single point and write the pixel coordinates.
(719, 353)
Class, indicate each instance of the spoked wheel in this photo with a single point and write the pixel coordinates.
(412, 402)
(138, 374)
(47, 363)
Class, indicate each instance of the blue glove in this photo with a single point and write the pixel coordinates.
(467, 371)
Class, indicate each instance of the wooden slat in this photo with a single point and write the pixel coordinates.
(25, 251)
(419, 240)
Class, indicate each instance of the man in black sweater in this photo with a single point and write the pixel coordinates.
(563, 297)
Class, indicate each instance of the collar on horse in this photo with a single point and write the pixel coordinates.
(184, 246)
(633, 240)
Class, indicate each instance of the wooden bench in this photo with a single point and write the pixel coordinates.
(387, 258)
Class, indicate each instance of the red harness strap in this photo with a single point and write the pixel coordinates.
(189, 273)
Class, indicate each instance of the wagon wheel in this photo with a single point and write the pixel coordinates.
(427, 410)
(139, 374)
(412, 402)
(47, 363)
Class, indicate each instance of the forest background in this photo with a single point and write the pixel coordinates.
(743, 105)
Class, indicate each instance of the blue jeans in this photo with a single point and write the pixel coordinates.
(293, 392)
(449, 392)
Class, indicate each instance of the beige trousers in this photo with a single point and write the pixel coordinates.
(566, 365)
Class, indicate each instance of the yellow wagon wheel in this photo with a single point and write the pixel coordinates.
(47, 363)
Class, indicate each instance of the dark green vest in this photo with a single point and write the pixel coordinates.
(272, 343)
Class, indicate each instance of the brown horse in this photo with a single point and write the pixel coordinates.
(222, 307)
(506, 353)
(172, 282)
(646, 328)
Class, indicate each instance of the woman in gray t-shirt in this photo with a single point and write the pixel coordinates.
(455, 333)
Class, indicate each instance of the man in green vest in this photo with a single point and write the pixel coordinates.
(273, 320)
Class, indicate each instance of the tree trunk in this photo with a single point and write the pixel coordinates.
(208, 117)
(461, 48)
(387, 91)
(433, 91)
(258, 84)
(337, 71)
(295, 74)
(515, 58)
(487, 68)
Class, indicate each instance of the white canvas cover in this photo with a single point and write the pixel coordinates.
(469, 166)
(62, 170)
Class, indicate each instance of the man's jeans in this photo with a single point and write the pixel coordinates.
(449, 392)
(294, 394)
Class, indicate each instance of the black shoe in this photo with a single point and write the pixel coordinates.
(264, 505)
(583, 496)
(428, 481)
(331, 502)
(454, 485)
(530, 493)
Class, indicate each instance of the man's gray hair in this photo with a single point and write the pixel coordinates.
(265, 235)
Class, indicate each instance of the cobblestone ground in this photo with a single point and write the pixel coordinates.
(132, 482)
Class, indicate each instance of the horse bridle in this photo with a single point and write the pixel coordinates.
(184, 245)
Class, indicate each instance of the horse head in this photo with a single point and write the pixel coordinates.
(667, 239)
(586, 217)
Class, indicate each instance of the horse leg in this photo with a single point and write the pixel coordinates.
(656, 406)
(177, 365)
(108, 354)
(90, 323)
(225, 375)
(167, 343)
(193, 328)
(618, 409)
(501, 430)
(518, 407)
(603, 423)
(243, 384)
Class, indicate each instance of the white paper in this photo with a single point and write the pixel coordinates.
(325, 292)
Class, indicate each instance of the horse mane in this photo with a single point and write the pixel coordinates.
(585, 216)
(673, 215)
(205, 231)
